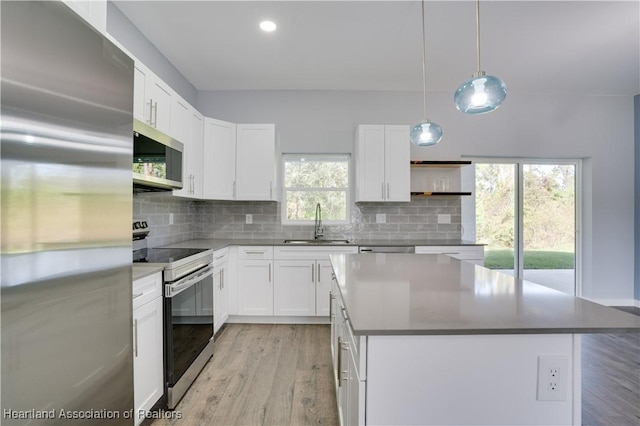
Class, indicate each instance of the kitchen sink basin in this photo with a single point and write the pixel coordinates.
(316, 242)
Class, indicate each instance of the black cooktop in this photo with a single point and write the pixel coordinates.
(163, 255)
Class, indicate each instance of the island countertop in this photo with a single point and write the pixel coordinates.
(425, 294)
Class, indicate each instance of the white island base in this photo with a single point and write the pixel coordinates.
(469, 380)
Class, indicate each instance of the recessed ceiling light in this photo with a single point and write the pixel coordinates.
(268, 26)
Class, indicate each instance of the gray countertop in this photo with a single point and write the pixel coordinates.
(218, 243)
(422, 294)
(141, 271)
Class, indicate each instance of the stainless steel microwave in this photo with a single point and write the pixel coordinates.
(157, 159)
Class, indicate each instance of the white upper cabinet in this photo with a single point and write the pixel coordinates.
(188, 127)
(151, 99)
(140, 76)
(180, 119)
(397, 153)
(219, 157)
(194, 164)
(255, 162)
(382, 160)
(239, 161)
(92, 11)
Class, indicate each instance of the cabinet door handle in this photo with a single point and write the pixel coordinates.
(222, 278)
(254, 252)
(382, 184)
(339, 362)
(150, 121)
(387, 190)
(312, 277)
(271, 190)
(344, 314)
(344, 346)
(135, 296)
(135, 338)
(331, 314)
(155, 114)
(269, 272)
(234, 189)
(318, 272)
(330, 305)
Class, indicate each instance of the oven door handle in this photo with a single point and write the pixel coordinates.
(178, 287)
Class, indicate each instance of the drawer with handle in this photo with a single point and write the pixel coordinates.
(255, 252)
(146, 289)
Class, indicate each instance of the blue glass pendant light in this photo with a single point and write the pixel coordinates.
(481, 93)
(425, 133)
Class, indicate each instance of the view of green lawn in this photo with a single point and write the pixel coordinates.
(533, 259)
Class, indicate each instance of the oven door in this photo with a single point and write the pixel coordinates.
(188, 330)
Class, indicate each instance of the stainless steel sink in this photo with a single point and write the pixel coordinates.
(316, 242)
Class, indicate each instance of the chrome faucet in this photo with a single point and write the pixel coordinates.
(318, 229)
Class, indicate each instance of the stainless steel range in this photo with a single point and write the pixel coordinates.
(188, 309)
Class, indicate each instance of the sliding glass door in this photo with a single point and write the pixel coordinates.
(496, 214)
(526, 214)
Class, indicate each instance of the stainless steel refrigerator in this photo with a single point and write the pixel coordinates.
(66, 200)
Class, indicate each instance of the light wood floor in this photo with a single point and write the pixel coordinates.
(281, 375)
(611, 379)
(263, 374)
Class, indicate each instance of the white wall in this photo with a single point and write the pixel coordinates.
(121, 28)
(600, 129)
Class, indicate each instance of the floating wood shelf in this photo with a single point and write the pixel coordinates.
(453, 164)
(430, 194)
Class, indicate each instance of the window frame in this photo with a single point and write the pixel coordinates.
(292, 157)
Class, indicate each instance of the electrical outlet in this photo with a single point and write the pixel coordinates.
(249, 218)
(170, 218)
(444, 218)
(553, 375)
(381, 218)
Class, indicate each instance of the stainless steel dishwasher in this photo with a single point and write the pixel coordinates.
(387, 249)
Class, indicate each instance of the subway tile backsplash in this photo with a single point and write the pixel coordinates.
(226, 219)
(156, 207)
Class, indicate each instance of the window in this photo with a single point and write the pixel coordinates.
(313, 179)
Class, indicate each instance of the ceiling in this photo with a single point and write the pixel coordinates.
(539, 47)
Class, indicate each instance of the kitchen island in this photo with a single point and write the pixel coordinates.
(428, 339)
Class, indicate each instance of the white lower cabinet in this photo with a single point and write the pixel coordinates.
(303, 279)
(148, 377)
(294, 291)
(473, 254)
(323, 286)
(349, 360)
(255, 280)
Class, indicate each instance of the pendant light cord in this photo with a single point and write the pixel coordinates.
(424, 67)
(478, 34)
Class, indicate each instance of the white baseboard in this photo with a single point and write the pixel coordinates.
(251, 319)
(615, 302)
